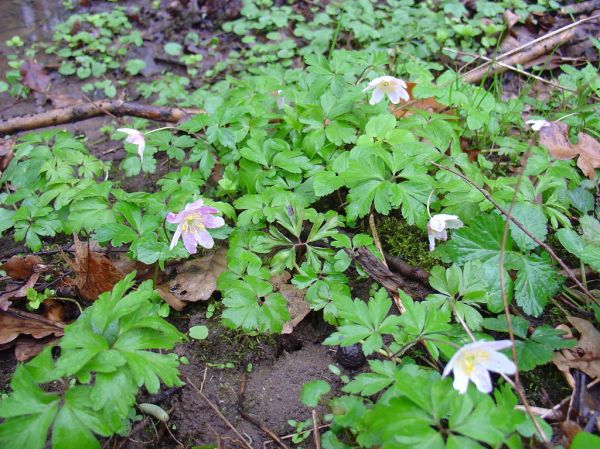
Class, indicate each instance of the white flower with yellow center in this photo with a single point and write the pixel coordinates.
(474, 361)
(394, 88)
(436, 228)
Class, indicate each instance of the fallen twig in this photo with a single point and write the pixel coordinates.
(218, 413)
(85, 111)
(526, 52)
(316, 433)
(524, 229)
(382, 274)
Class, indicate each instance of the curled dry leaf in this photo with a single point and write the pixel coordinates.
(297, 305)
(27, 347)
(34, 76)
(555, 137)
(18, 292)
(16, 322)
(196, 280)
(94, 273)
(585, 356)
(21, 268)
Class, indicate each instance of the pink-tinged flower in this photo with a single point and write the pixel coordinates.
(394, 88)
(192, 224)
(436, 228)
(473, 362)
(135, 137)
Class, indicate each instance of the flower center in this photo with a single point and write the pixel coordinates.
(470, 361)
(192, 224)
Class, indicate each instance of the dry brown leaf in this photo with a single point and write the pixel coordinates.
(19, 292)
(21, 268)
(555, 137)
(297, 305)
(510, 18)
(16, 322)
(6, 152)
(27, 347)
(429, 104)
(196, 280)
(94, 273)
(585, 356)
(34, 76)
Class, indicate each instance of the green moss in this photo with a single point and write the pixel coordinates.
(544, 385)
(407, 242)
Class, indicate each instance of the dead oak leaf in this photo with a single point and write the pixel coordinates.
(555, 137)
(196, 280)
(19, 292)
(585, 356)
(16, 322)
(94, 273)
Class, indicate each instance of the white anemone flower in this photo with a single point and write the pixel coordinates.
(474, 361)
(436, 228)
(279, 98)
(394, 88)
(135, 137)
(536, 125)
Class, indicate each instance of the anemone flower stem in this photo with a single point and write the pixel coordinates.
(461, 321)
(520, 225)
(429, 201)
(517, 385)
(159, 129)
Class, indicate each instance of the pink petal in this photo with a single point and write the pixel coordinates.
(211, 221)
(195, 205)
(189, 241)
(204, 239)
(173, 218)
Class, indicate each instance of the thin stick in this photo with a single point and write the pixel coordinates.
(517, 385)
(522, 228)
(533, 42)
(513, 68)
(316, 434)
(219, 414)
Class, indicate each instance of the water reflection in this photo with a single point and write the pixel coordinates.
(33, 19)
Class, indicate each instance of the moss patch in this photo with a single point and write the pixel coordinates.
(407, 242)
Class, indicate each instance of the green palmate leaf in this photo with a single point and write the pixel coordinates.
(585, 440)
(536, 283)
(534, 220)
(251, 305)
(419, 402)
(480, 240)
(535, 350)
(312, 391)
(380, 125)
(366, 322)
(367, 384)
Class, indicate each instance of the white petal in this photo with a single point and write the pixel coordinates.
(461, 381)
(481, 379)
(536, 125)
(176, 236)
(499, 363)
(450, 366)
(141, 145)
(431, 241)
(394, 96)
(129, 131)
(404, 94)
(377, 96)
(495, 345)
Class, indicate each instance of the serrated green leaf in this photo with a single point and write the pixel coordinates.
(313, 391)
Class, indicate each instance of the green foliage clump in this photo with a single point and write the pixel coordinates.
(90, 389)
